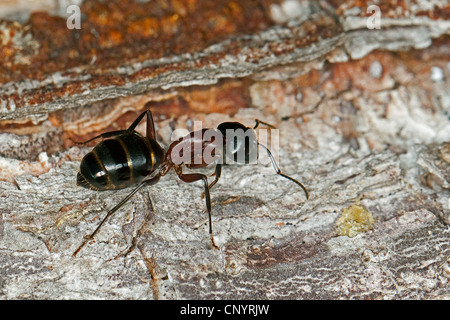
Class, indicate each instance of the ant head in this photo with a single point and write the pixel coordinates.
(224, 126)
(241, 145)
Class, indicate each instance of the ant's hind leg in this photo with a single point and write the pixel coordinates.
(103, 136)
(148, 216)
(150, 181)
(151, 133)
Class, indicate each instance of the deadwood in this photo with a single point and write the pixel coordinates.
(363, 118)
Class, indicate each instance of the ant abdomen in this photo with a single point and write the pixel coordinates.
(119, 162)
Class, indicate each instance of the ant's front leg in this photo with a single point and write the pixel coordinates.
(192, 177)
(217, 174)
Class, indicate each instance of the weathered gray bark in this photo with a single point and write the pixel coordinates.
(273, 243)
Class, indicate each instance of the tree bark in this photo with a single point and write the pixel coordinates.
(363, 122)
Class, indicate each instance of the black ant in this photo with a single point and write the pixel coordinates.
(128, 158)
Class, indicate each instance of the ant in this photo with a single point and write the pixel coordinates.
(126, 158)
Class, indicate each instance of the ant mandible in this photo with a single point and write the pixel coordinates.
(128, 158)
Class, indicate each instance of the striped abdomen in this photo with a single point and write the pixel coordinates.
(119, 162)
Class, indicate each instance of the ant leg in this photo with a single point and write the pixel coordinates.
(148, 216)
(192, 177)
(117, 207)
(217, 176)
(151, 133)
(103, 135)
(278, 171)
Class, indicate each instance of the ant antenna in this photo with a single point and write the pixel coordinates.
(278, 171)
